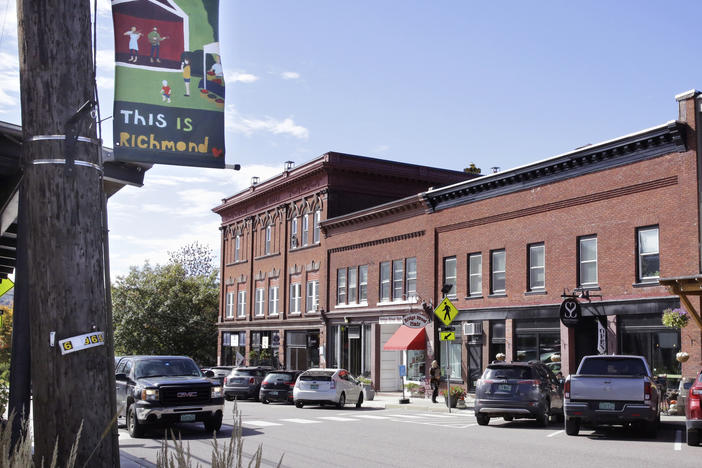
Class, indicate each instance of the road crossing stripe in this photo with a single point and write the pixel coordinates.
(408, 416)
(434, 415)
(336, 418)
(260, 423)
(678, 441)
(553, 434)
(301, 421)
(370, 416)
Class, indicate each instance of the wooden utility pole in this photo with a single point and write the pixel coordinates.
(61, 195)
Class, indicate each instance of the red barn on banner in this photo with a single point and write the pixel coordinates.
(142, 16)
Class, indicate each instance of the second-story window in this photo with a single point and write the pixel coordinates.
(537, 267)
(384, 290)
(475, 274)
(293, 233)
(450, 274)
(497, 267)
(230, 304)
(295, 297)
(341, 286)
(398, 278)
(315, 231)
(411, 281)
(649, 264)
(241, 304)
(312, 295)
(273, 300)
(353, 285)
(363, 284)
(269, 233)
(587, 258)
(305, 229)
(237, 248)
(260, 301)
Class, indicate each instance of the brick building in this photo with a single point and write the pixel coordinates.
(274, 273)
(605, 222)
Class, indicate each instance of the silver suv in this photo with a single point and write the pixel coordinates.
(245, 382)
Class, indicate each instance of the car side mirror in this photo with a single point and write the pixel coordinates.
(209, 374)
(121, 377)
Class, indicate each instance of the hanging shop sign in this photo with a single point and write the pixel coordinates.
(169, 85)
(601, 338)
(570, 312)
(415, 320)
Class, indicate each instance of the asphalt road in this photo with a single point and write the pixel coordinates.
(370, 437)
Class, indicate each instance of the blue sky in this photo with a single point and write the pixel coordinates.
(441, 83)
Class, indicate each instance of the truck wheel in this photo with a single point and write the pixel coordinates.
(693, 437)
(572, 426)
(213, 423)
(134, 427)
(299, 404)
(483, 419)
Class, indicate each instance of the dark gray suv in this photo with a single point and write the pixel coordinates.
(513, 390)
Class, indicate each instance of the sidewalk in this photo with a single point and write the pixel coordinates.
(392, 400)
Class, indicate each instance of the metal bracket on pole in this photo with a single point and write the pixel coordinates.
(71, 129)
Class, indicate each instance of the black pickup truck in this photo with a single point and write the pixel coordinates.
(163, 390)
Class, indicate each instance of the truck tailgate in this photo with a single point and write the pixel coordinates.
(607, 387)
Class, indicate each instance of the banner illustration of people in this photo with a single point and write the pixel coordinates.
(169, 84)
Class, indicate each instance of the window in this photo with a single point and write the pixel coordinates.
(241, 304)
(315, 230)
(537, 267)
(260, 300)
(649, 257)
(341, 286)
(587, 254)
(498, 271)
(237, 248)
(353, 285)
(305, 229)
(312, 295)
(295, 297)
(475, 274)
(363, 284)
(293, 233)
(384, 293)
(450, 274)
(269, 231)
(411, 282)
(230, 304)
(398, 278)
(273, 300)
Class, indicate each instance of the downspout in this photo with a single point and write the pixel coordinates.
(222, 294)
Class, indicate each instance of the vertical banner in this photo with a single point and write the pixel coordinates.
(169, 85)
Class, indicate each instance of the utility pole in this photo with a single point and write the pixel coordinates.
(61, 196)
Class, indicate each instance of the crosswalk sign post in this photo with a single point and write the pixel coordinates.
(446, 312)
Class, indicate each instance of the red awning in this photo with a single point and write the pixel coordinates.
(407, 338)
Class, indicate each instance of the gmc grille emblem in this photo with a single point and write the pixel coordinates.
(186, 394)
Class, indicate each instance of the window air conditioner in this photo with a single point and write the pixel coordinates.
(472, 328)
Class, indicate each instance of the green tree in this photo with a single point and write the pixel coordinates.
(169, 309)
(197, 259)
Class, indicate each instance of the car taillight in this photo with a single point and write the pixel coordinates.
(566, 389)
(647, 390)
(695, 393)
(533, 383)
(332, 384)
(252, 380)
(292, 384)
(226, 380)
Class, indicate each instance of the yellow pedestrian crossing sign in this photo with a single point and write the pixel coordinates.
(446, 311)
(447, 336)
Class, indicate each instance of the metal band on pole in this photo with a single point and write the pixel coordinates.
(63, 161)
(82, 139)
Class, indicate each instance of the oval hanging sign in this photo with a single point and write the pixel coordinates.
(415, 320)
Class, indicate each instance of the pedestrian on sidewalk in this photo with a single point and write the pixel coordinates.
(434, 378)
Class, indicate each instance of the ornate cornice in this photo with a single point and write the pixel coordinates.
(384, 240)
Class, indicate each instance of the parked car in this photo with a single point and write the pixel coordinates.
(693, 412)
(613, 389)
(514, 390)
(220, 372)
(327, 387)
(278, 386)
(161, 390)
(245, 382)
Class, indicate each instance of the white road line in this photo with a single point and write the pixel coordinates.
(336, 418)
(434, 415)
(408, 416)
(554, 434)
(370, 416)
(259, 423)
(301, 421)
(678, 441)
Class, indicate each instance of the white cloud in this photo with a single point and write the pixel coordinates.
(241, 77)
(290, 75)
(380, 149)
(248, 125)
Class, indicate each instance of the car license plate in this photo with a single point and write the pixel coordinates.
(314, 386)
(274, 393)
(606, 405)
(504, 388)
(187, 417)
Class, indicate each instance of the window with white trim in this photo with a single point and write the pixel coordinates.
(649, 264)
(312, 295)
(411, 279)
(475, 274)
(269, 233)
(363, 284)
(237, 248)
(260, 302)
(341, 286)
(450, 274)
(295, 298)
(537, 267)
(384, 289)
(305, 229)
(315, 230)
(273, 300)
(587, 259)
(230, 304)
(293, 234)
(498, 265)
(398, 279)
(353, 285)
(241, 304)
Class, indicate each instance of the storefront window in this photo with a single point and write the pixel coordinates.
(332, 346)
(644, 335)
(416, 360)
(538, 340)
(497, 338)
(453, 350)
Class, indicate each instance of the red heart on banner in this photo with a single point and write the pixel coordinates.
(217, 152)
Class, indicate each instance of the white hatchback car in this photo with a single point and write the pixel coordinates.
(327, 387)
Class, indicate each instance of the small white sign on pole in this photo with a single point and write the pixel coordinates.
(80, 342)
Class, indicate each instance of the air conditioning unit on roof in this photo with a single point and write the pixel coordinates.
(472, 329)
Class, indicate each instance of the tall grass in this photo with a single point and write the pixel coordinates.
(21, 455)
